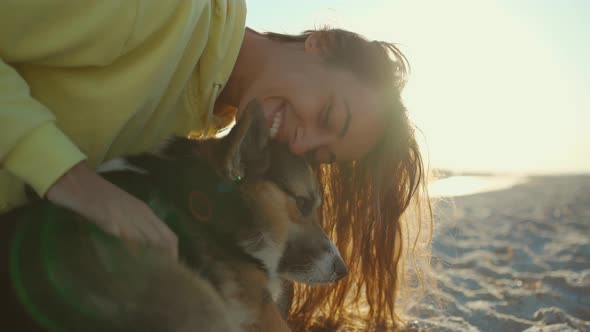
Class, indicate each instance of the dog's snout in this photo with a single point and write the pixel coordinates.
(340, 269)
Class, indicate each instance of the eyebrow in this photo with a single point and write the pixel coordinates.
(344, 129)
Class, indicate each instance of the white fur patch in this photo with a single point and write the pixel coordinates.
(270, 255)
(119, 164)
(321, 270)
(240, 315)
(295, 230)
(325, 265)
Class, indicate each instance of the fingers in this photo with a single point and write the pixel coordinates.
(144, 226)
(161, 235)
(130, 219)
(112, 209)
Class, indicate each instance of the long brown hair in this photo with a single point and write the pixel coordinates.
(367, 202)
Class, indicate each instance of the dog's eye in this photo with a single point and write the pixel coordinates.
(304, 205)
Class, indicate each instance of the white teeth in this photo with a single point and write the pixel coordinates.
(276, 124)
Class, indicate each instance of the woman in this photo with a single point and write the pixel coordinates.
(83, 83)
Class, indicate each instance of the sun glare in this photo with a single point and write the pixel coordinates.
(490, 88)
(468, 185)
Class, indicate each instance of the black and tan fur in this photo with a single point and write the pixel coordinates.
(236, 241)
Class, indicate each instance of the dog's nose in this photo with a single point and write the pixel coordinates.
(340, 269)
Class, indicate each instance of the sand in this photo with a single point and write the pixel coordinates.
(516, 259)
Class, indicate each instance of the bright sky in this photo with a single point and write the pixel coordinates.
(495, 85)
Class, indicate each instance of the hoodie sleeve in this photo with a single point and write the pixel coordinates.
(62, 34)
(31, 145)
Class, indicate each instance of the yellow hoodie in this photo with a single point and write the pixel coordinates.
(98, 79)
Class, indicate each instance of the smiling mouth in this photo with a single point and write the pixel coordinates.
(276, 123)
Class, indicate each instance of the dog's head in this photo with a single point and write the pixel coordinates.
(310, 256)
(282, 191)
(274, 214)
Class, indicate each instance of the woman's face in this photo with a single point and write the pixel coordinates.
(320, 111)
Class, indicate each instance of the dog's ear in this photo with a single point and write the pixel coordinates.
(246, 148)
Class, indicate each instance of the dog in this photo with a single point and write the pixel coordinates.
(246, 215)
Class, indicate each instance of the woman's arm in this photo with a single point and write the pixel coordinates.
(32, 146)
(82, 190)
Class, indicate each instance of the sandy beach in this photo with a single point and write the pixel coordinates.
(514, 259)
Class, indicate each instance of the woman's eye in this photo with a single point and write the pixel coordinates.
(304, 205)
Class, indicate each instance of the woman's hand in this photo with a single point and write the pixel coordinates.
(82, 190)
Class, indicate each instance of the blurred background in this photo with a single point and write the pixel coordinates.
(501, 92)
(496, 86)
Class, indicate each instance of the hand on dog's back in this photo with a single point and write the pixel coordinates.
(115, 211)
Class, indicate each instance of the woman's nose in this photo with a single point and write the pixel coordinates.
(308, 139)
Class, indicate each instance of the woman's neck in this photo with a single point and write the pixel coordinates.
(250, 62)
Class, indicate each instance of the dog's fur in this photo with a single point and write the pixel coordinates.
(236, 242)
